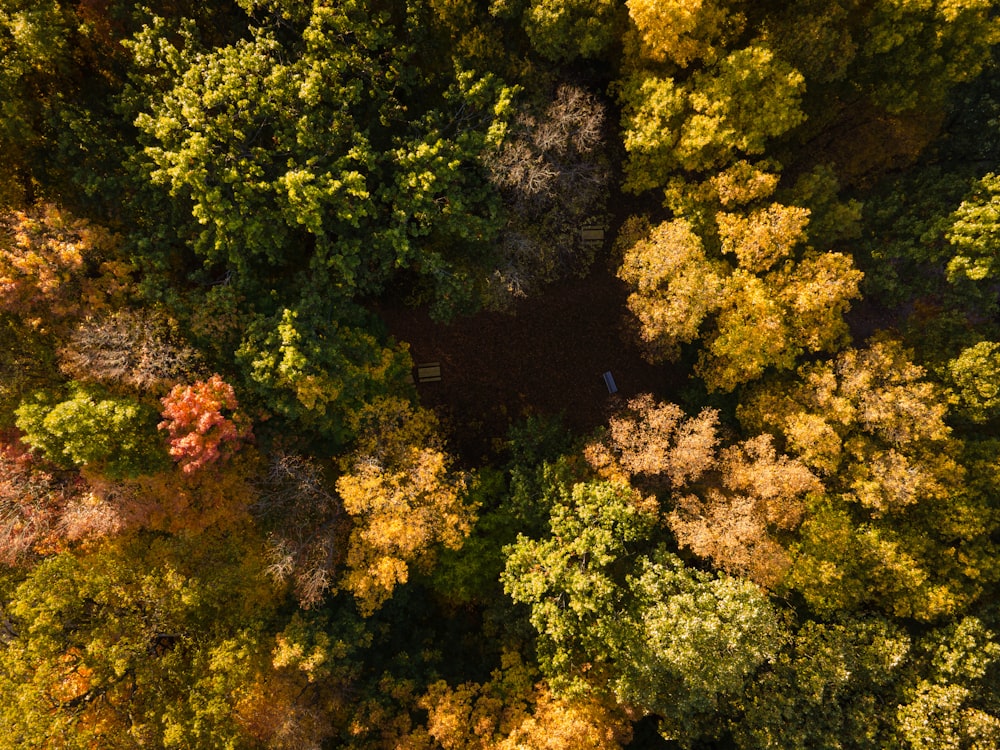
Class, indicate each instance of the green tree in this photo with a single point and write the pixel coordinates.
(33, 45)
(975, 373)
(615, 612)
(827, 688)
(115, 435)
(144, 642)
(563, 30)
(322, 147)
(318, 370)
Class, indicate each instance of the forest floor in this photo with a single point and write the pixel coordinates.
(547, 357)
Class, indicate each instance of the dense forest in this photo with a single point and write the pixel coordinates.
(233, 514)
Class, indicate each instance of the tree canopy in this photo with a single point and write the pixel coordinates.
(240, 241)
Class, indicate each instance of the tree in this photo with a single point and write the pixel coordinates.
(899, 500)
(676, 287)
(655, 444)
(200, 433)
(720, 114)
(55, 268)
(742, 524)
(318, 154)
(772, 307)
(138, 349)
(563, 30)
(152, 641)
(404, 500)
(307, 525)
(615, 612)
(32, 500)
(90, 427)
(33, 44)
(514, 710)
(827, 688)
(552, 175)
(317, 369)
(911, 54)
(734, 506)
(976, 375)
(974, 231)
(683, 32)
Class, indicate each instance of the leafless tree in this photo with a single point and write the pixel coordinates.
(553, 176)
(31, 501)
(307, 525)
(135, 348)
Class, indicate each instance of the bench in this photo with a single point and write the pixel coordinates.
(429, 372)
(592, 236)
(609, 381)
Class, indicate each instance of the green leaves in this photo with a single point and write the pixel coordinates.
(612, 612)
(719, 114)
(326, 149)
(114, 435)
(975, 233)
(318, 371)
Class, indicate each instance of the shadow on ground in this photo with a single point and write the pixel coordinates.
(548, 358)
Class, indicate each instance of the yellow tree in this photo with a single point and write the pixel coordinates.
(675, 286)
(902, 524)
(404, 498)
(775, 303)
(680, 31)
(515, 710)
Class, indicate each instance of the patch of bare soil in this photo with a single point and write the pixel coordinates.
(547, 358)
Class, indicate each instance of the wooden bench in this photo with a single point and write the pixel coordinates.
(592, 235)
(429, 372)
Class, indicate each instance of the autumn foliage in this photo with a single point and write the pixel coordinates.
(203, 423)
(54, 266)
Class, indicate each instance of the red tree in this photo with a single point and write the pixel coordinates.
(203, 423)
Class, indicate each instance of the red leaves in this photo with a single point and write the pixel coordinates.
(200, 433)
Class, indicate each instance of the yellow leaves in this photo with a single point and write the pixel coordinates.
(752, 333)
(743, 183)
(777, 302)
(814, 440)
(681, 31)
(513, 712)
(764, 236)
(817, 291)
(403, 506)
(676, 286)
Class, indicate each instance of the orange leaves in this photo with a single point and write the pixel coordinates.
(658, 440)
(55, 267)
(761, 495)
(730, 505)
(200, 433)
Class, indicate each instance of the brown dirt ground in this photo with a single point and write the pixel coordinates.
(548, 358)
